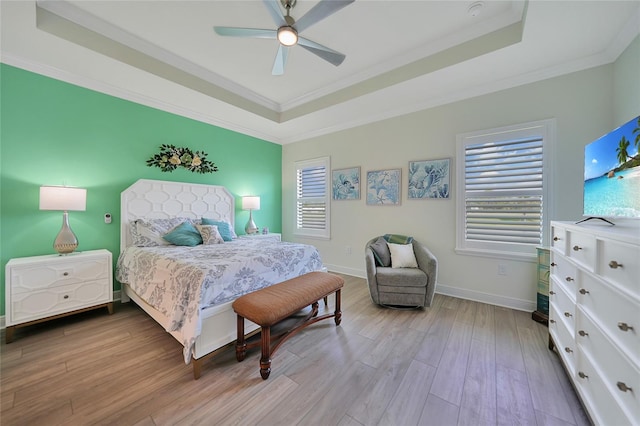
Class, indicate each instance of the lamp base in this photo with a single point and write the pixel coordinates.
(251, 227)
(66, 241)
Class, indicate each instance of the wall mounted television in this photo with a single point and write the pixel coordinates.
(612, 174)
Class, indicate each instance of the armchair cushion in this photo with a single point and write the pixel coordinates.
(381, 252)
(402, 256)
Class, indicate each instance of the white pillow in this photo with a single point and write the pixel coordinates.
(402, 256)
(149, 232)
(210, 234)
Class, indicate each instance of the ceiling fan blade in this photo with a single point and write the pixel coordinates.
(275, 12)
(319, 12)
(324, 52)
(245, 32)
(281, 60)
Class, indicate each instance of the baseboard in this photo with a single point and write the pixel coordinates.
(460, 293)
(491, 299)
(347, 271)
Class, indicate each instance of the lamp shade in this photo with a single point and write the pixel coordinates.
(63, 198)
(251, 202)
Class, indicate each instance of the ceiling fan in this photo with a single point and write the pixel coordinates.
(289, 28)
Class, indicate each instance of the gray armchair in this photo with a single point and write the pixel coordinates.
(401, 286)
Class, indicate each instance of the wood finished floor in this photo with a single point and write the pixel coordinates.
(455, 363)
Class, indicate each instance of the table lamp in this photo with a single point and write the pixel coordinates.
(64, 198)
(251, 202)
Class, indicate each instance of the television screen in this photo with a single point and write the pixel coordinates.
(612, 173)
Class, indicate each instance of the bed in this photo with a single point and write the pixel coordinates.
(189, 290)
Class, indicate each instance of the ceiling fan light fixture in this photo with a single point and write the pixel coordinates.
(287, 35)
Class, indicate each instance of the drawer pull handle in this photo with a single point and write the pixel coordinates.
(556, 239)
(624, 326)
(582, 375)
(568, 350)
(569, 279)
(615, 265)
(583, 333)
(66, 296)
(623, 387)
(551, 292)
(583, 291)
(66, 274)
(577, 248)
(552, 321)
(554, 264)
(568, 315)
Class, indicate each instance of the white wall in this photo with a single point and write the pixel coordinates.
(582, 104)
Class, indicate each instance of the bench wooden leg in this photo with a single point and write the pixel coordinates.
(338, 312)
(241, 345)
(265, 360)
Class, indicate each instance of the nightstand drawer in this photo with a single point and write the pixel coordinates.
(27, 278)
(56, 300)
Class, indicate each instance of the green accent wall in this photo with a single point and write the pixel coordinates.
(55, 133)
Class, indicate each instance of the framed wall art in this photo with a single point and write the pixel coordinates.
(345, 183)
(429, 179)
(383, 187)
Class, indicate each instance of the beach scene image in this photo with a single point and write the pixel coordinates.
(612, 173)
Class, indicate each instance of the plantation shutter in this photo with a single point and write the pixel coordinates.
(504, 191)
(312, 197)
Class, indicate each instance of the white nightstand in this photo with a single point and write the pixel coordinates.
(270, 236)
(41, 288)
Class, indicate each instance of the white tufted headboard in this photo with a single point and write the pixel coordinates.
(156, 199)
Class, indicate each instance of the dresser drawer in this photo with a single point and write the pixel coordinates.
(582, 249)
(30, 277)
(565, 273)
(56, 300)
(563, 303)
(620, 264)
(617, 314)
(559, 239)
(619, 375)
(602, 406)
(563, 339)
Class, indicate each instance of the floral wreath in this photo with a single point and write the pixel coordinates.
(170, 158)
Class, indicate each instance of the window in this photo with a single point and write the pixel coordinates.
(312, 198)
(502, 184)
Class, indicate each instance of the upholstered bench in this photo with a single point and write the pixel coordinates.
(269, 306)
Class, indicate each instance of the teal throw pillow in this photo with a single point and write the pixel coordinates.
(223, 228)
(398, 239)
(184, 234)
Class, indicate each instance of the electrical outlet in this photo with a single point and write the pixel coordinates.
(347, 249)
(502, 269)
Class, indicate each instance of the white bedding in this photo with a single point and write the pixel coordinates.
(181, 281)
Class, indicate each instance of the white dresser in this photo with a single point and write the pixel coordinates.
(594, 315)
(41, 288)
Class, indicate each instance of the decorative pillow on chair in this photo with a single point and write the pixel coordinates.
(149, 232)
(398, 239)
(381, 252)
(210, 234)
(402, 256)
(224, 228)
(184, 235)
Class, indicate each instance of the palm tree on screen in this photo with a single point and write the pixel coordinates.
(622, 150)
